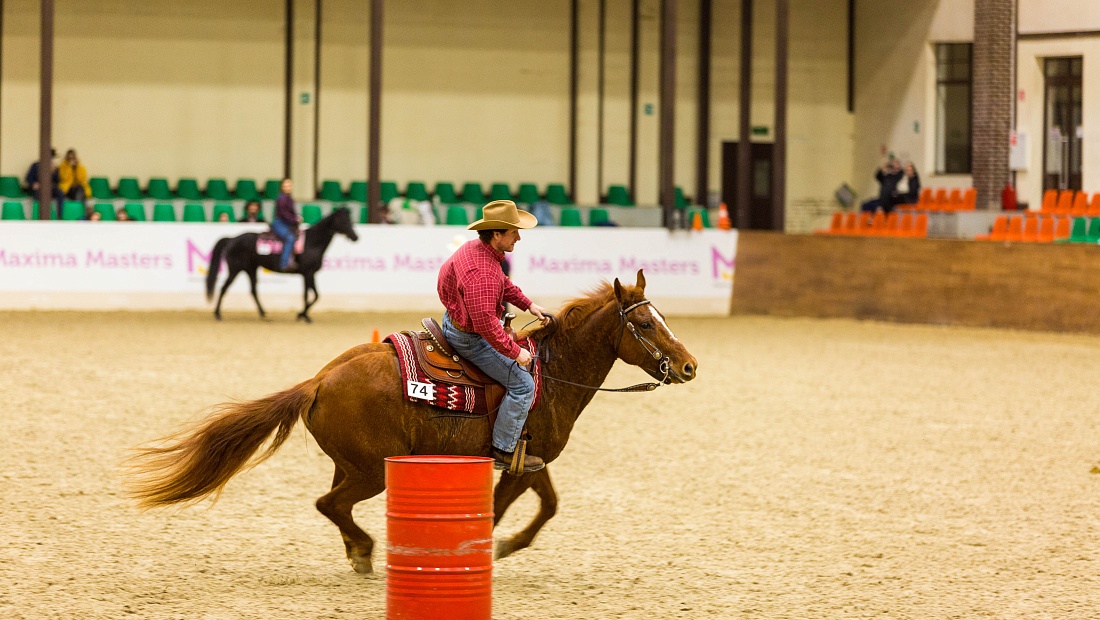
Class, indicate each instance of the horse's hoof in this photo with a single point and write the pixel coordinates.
(218, 317)
(361, 565)
(503, 548)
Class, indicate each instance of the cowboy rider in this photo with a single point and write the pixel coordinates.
(473, 289)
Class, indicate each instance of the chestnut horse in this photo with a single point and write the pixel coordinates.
(355, 410)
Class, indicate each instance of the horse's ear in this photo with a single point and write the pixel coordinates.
(641, 281)
(618, 291)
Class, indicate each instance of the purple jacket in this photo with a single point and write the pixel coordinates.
(284, 210)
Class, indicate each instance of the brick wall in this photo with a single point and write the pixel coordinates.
(994, 34)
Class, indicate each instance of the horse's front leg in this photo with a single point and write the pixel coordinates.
(507, 491)
(252, 280)
(308, 284)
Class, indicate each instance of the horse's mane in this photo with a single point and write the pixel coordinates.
(578, 310)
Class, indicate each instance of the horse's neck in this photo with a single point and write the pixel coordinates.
(584, 355)
(319, 237)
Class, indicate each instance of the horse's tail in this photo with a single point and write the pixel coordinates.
(215, 266)
(199, 461)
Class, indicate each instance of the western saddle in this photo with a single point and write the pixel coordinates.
(438, 362)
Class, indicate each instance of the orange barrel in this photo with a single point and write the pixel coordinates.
(439, 525)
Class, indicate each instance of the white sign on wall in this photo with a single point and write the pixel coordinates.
(84, 265)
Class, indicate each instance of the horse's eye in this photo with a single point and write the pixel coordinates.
(647, 325)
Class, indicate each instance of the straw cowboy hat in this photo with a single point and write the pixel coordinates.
(503, 214)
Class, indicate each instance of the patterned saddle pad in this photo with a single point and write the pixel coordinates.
(269, 243)
(443, 379)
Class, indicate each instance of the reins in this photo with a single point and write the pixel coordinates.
(624, 326)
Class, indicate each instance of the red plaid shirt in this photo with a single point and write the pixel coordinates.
(473, 288)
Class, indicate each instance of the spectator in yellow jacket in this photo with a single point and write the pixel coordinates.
(73, 178)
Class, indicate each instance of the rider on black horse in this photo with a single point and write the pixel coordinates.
(473, 289)
(285, 225)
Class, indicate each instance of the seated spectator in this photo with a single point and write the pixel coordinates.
(223, 217)
(122, 215)
(32, 181)
(907, 191)
(73, 178)
(888, 177)
(252, 212)
(94, 216)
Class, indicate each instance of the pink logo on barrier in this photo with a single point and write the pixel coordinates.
(722, 268)
(197, 260)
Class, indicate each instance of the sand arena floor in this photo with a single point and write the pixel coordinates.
(816, 469)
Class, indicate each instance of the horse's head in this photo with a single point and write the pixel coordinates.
(645, 340)
(341, 223)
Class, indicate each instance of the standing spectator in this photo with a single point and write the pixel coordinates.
(73, 178)
(907, 191)
(285, 225)
(32, 181)
(252, 212)
(888, 177)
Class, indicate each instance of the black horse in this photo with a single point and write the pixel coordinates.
(240, 255)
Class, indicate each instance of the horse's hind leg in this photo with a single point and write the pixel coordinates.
(225, 287)
(347, 491)
(252, 279)
(508, 490)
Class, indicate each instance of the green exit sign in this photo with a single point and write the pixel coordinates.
(647, 109)
(759, 130)
(304, 98)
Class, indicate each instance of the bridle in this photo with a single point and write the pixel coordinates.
(625, 325)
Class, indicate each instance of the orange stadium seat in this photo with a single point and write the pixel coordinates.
(1000, 228)
(905, 225)
(1031, 229)
(1080, 204)
(954, 200)
(970, 199)
(1062, 228)
(1050, 201)
(1094, 206)
(863, 224)
(1065, 202)
(850, 222)
(890, 228)
(1046, 230)
(834, 225)
(878, 224)
(920, 226)
(925, 200)
(939, 203)
(1015, 229)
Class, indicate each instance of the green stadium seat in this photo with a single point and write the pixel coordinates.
(527, 193)
(245, 190)
(72, 210)
(618, 196)
(500, 191)
(556, 194)
(192, 212)
(570, 216)
(218, 189)
(1093, 234)
(222, 208)
(188, 189)
(271, 189)
(681, 201)
(596, 217)
(446, 193)
(357, 191)
(457, 216)
(129, 189)
(158, 189)
(311, 214)
(163, 212)
(13, 211)
(101, 189)
(136, 211)
(363, 213)
(106, 211)
(330, 190)
(472, 192)
(416, 190)
(388, 191)
(1079, 232)
(10, 187)
(689, 217)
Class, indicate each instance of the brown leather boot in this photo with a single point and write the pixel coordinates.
(503, 460)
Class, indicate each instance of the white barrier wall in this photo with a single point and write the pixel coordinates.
(147, 266)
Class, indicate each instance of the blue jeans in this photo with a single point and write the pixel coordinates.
(288, 235)
(516, 379)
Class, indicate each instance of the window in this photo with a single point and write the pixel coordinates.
(953, 108)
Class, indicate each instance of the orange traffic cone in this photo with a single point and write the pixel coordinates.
(697, 221)
(374, 336)
(723, 217)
